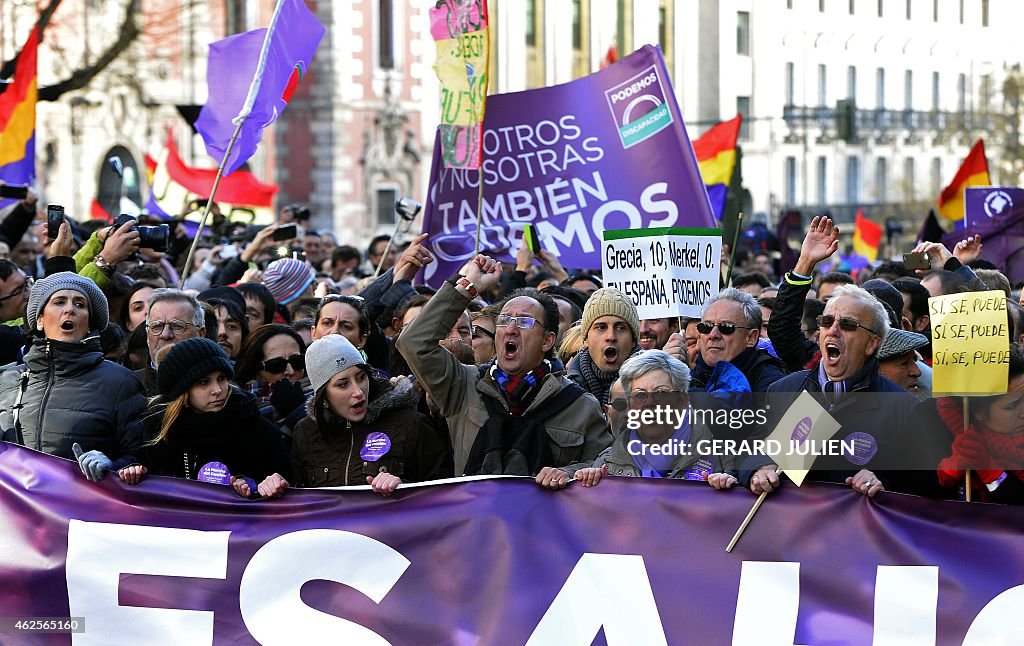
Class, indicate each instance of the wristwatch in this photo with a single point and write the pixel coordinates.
(103, 265)
(465, 284)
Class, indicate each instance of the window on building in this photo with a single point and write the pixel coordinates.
(852, 180)
(790, 180)
(822, 180)
(908, 90)
(234, 16)
(821, 6)
(743, 33)
(851, 83)
(935, 10)
(936, 176)
(743, 107)
(910, 178)
(531, 23)
(789, 4)
(386, 198)
(790, 84)
(880, 12)
(984, 13)
(880, 88)
(909, 2)
(577, 26)
(662, 25)
(936, 101)
(961, 12)
(882, 180)
(961, 92)
(985, 93)
(853, 6)
(385, 35)
(822, 85)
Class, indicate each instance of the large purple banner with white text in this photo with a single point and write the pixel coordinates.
(607, 151)
(500, 561)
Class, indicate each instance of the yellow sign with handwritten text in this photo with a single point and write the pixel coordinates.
(970, 343)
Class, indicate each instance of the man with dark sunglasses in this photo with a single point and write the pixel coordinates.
(728, 331)
(516, 415)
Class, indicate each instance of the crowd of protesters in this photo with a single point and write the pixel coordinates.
(307, 362)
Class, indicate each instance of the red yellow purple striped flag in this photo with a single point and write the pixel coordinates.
(973, 172)
(18, 118)
(716, 156)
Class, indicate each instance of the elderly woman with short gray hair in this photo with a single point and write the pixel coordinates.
(661, 439)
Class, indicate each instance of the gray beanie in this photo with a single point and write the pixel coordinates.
(329, 355)
(99, 315)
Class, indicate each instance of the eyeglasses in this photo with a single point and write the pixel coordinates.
(481, 332)
(178, 327)
(279, 364)
(846, 323)
(19, 290)
(522, 322)
(725, 327)
(619, 403)
(658, 397)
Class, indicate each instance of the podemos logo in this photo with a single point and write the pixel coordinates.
(639, 108)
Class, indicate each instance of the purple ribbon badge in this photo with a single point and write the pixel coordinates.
(864, 448)
(214, 472)
(375, 447)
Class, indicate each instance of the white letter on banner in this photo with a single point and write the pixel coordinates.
(98, 553)
(1000, 621)
(269, 597)
(767, 603)
(623, 604)
(906, 601)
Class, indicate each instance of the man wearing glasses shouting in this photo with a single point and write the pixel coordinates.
(514, 415)
(171, 316)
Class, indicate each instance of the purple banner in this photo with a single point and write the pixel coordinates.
(608, 151)
(501, 561)
(985, 203)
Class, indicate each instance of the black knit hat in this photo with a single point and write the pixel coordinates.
(189, 361)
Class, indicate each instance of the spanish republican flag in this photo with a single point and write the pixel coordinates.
(867, 236)
(18, 118)
(716, 157)
(973, 172)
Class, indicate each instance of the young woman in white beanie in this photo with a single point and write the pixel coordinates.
(361, 429)
(69, 395)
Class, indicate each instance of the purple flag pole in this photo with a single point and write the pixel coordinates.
(243, 114)
(209, 204)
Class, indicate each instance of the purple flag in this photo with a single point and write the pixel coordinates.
(255, 74)
(500, 561)
(604, 152)
(985, 203)
(1002, 237)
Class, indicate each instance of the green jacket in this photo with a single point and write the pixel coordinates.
(577, 434)
(84, 265)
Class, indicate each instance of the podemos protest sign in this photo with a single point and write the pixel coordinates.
(970, 343)
(665, 272)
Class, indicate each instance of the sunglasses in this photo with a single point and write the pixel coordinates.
(521, 322)
(19, 290)
(278, 365)
(658, 397)
(480, 332)
(725, 327)
(846, 323)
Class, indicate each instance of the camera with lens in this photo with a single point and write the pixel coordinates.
(155, 237)
(300, 212)
(407, 208)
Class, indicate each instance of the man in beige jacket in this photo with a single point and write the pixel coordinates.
(514, 416)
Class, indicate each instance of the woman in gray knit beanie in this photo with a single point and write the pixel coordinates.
(361, 429)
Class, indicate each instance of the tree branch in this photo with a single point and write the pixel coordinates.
(7, 71)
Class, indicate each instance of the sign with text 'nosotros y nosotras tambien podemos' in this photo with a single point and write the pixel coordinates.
(665, 272)
(970, 343)
(607, 151)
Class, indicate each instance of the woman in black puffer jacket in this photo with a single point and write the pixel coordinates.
(203, 428)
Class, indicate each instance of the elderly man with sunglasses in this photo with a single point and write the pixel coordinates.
(516, 415)
(876, 415)
(729, 330)
(171, 316)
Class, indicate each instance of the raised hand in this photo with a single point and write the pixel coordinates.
(821, 241)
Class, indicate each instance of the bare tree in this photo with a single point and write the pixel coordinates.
(128, 32)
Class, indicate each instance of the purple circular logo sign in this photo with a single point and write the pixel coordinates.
(375, 447)
(864, 448)
(700, 470)
(214, 472)
(802, 430)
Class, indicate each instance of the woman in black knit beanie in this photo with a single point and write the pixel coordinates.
(203, 428)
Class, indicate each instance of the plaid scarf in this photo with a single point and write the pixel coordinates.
(519, 390)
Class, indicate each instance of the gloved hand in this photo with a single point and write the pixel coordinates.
(969, 454)
(286, 396)
(94, 464)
